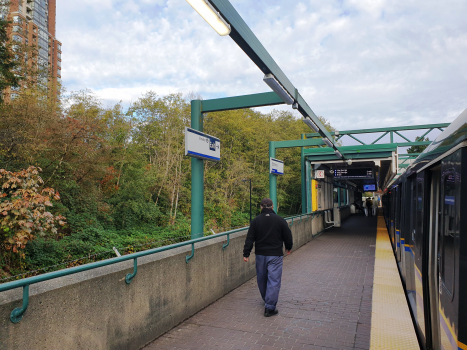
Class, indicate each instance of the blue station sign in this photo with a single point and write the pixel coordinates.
(202, 146)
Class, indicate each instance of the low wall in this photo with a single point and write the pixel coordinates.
(97, 310)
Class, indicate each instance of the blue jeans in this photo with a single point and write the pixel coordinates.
(268, 275)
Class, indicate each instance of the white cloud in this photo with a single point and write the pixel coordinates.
(358, 63)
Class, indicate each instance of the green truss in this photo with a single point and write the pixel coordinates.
(391, 131)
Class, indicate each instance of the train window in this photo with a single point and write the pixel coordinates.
(449, 229)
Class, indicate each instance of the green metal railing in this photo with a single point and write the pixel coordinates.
(17, 314)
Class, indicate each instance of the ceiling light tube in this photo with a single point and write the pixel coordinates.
(327, 142)
(210, 15)
(338, 153)
(310, 123)
(278, 89)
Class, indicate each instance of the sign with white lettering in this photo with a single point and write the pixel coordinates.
(276, 166)
(201, 145)
(320, 174)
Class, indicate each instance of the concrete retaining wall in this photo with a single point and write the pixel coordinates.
(98, 310)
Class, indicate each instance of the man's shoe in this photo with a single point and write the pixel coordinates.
(269, 312)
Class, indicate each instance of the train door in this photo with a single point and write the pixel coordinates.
(392, 209)
(418, 239)
(397, 222)
(403, 216)
(432, 252)
(405, 230)
(409, 244)
(449, 243)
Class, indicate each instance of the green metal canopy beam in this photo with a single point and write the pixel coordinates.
(298, 143)
(199, 107)
(389, 129)
(332, 157)
(362, 148)
(240, 102)
(249, 43)
(391, 147)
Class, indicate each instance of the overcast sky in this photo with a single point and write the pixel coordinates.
(358, 63)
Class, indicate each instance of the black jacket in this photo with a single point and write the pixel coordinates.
(269, 232)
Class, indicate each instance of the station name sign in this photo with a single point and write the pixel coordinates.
(276, 166)
(201, 145)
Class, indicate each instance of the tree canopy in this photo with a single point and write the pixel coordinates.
(418, 149)
(122, 175)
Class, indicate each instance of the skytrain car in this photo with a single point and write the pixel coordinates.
(426, 214)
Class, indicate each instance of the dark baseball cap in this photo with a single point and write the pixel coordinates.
(266, 203)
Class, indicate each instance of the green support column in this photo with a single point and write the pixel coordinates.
(308, 186)
(273, 178)
(197, 177)
(304, 179)
(339, 196)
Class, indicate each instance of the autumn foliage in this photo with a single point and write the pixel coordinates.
(24, 211)
(123, 176)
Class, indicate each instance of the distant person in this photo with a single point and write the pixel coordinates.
(369, 204)
(374, 201)
(358, 206)
(269, 232)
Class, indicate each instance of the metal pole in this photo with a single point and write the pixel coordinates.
(273, 178)
(304, 179)
(309, 190)
(197, 177)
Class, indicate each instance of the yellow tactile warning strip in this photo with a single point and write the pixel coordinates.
(391, 325)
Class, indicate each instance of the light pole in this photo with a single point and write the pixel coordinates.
(250, 195)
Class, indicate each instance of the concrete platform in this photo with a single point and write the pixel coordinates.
(326, 302)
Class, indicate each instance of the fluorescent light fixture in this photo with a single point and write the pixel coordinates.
(277, 88)
(310, 123)
(338, 153)
(210, 15)
(327, 142)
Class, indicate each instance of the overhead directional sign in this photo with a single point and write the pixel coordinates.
(201, 145)
(276, 166)
(353, 173)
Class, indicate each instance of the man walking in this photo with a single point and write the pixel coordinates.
(269, 232)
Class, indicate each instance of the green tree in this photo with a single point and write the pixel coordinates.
(418, 149)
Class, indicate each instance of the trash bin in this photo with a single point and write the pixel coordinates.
(352, 209)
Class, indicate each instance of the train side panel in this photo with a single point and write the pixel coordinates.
(462, 278)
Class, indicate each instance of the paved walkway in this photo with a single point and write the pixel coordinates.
(325, 301)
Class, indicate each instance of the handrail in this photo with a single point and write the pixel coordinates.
(17, 314)
(90, 266)
(72, 270)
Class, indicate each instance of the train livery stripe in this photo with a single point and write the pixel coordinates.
(448, 331)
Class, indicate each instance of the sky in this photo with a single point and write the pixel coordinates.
(358, 63)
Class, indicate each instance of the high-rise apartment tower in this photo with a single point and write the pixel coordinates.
(34, 24)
